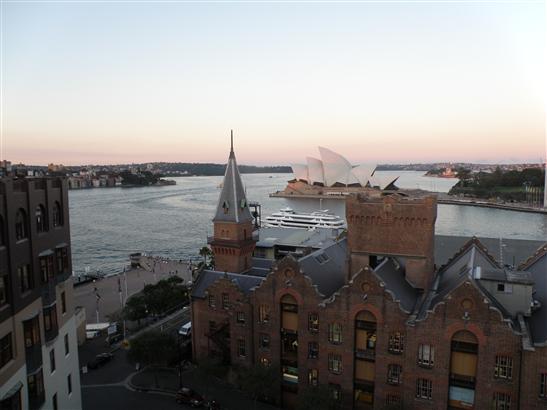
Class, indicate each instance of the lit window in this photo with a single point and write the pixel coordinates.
(312, 377)
(225, 301)
(240, 317)
(396, 343)
(265, 361)
(336, 391)
(501, 401)
(313, 350)
(504, 367)
(313, 322)
(426, 355)
(394, 374)
(424, 388)
(543, 385)
(335, 363)
(241, 348)
(263, 313)
(335, 333)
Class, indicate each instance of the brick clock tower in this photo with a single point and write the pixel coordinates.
(232, 242)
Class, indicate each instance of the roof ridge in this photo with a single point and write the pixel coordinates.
(542, 250)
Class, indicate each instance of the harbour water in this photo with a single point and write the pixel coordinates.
(173, 221)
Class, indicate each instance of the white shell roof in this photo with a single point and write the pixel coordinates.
(315, 170)
(300, 171)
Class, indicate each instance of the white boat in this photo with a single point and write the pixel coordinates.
(288, 218)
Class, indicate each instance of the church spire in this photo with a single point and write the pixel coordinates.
(232, 203)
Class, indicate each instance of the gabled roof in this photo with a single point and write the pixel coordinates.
(392, 274)
(232, 205)
(326, 267)
(537, 266)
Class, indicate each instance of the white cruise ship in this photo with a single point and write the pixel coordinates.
(288, 218)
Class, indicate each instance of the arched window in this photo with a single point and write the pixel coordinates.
(57, 214)
(21, 225)
(41, 219)
(463, 368)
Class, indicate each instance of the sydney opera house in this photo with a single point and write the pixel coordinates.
(333, 170)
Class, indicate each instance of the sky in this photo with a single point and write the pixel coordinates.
(386, 82)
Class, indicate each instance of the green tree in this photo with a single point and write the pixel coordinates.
(260, 382)
(208, 258)
(208, 368)
(153, 348)
(135, 308)
(316, 398)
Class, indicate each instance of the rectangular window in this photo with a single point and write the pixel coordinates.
(424, 388)
(225, 301)
(501, 401)
(393, 401)
(264, 341)
(312, 377)
(543, 385)
(61, 255)
(240, 317)
(263, 313)
(426, 355)
(31, 330)
(212, 302)
(67, 350)
(69, 383)
(54, 402)
(3, 290)
(241, 348)
(335, 363)
(313, 322)
(63, 303)
(6, 350)
(25, 278)
(394, 374)
(35, 383)
(313, 350)
(336, 391)
(396, 343)
(46, 268)
(335, 333)
(504, 367)
(50, 318)
(52, 360)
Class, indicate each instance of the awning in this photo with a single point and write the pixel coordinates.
(15, 389)
(47, 252)
(61, 245)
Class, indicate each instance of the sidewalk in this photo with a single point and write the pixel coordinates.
(168, 381)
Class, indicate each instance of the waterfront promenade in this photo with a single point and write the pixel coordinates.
(108, 288)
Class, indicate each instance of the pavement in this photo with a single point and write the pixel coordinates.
(130, 282)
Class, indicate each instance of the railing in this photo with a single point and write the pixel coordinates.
(365, 354)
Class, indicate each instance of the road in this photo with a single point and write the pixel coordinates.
(118, 397)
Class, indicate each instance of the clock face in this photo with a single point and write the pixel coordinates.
(365, 287)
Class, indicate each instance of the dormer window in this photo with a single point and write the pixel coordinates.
(225, 206)
(505, 288)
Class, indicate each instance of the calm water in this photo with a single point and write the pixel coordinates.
(173, 221)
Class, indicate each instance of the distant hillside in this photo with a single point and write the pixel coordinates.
(178, 168)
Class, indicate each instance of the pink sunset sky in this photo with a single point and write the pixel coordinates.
(396, 82)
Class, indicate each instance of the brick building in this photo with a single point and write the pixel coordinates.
(38, 349)
(389, 316)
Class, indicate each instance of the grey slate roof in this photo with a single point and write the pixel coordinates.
(326, 267)
(538, 320)
(208, 277)
(232, 205)
(391, 272)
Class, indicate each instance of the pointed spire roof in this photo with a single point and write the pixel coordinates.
(232, 203)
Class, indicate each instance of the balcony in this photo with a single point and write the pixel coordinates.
(365, 354)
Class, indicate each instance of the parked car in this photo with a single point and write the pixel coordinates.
(114, 338)
(100, 360)
(186, 330)
(188, 396)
